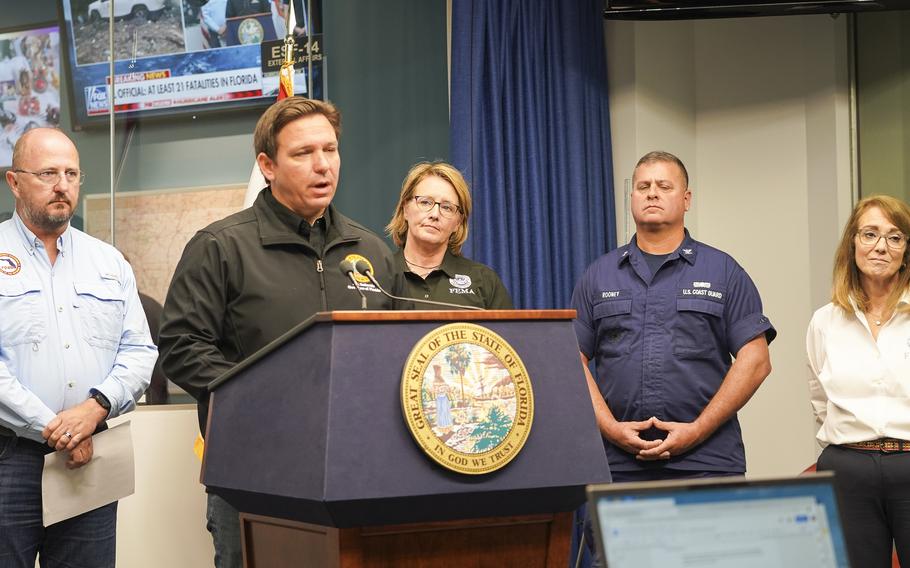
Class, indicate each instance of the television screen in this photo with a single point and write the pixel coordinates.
(184, 56)
(29, 84)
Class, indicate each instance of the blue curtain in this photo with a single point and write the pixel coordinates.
(530, 130)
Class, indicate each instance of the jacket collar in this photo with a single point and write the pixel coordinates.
(278, 225)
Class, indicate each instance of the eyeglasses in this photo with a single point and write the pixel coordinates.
(52, 177)
(870, 237)
(446, 209)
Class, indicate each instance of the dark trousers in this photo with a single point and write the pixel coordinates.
(85, 541)
(874, 489)
(223, 522)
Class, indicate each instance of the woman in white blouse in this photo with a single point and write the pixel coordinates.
(859, 380)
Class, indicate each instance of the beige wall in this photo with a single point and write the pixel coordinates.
(163, 523)
(758, 110)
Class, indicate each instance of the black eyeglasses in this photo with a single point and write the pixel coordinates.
(446, 208)
(52, 177)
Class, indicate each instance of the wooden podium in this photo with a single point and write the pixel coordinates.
(307, 439)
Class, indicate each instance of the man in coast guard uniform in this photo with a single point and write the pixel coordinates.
(662, 318)
(75, 350)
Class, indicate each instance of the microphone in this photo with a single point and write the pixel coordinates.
(363, 267)
(347, 267)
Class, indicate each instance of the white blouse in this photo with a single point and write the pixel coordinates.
(859, 387)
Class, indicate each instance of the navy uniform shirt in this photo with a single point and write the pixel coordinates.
(662, 344)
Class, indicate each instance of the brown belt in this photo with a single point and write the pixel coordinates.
(880, 445)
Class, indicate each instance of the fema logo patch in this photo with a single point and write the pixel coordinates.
(9, 264)
(462, 281)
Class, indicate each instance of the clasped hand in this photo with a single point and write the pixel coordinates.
(71, 430)
(681, 436)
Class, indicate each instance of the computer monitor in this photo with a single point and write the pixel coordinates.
(729, 521)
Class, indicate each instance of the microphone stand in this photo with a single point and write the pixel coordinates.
(347, 267)
(364, 268)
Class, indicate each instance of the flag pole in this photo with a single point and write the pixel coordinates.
(286, 75)
(285, 90)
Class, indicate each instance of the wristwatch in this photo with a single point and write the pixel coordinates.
(102, 400)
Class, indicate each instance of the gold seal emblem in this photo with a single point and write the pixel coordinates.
(250, 31)
(353, 258)
(467, 398)
(9, 264)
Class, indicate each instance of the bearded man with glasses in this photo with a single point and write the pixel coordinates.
(75, 350)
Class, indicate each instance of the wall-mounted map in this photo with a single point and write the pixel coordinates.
(152, 227)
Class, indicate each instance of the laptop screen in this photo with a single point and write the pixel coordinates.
(717, 522)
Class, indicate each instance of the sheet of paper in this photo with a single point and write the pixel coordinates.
(108, 477)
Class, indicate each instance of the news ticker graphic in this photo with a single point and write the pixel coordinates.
(160, 89)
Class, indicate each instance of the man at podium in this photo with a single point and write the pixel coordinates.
(245, 280)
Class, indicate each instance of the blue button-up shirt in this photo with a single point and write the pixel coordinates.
(662, 343)
(67, 329)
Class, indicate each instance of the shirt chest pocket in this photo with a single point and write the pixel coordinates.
(698, 329)
(21, 317)
(100, 306)
(615, 329)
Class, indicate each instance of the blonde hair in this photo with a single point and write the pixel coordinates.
(398, 226)
(846, 274)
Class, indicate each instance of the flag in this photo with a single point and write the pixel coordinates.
(285, 90)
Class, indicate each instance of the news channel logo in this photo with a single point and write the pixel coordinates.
(96, 99)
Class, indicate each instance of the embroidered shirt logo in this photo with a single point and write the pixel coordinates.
(462, 281)
(461, 284)
(701, 284)
(687, 251)
(9, 264)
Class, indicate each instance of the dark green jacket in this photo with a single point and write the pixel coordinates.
(245, 280)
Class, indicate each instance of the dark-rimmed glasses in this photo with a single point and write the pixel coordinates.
(446, 208)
